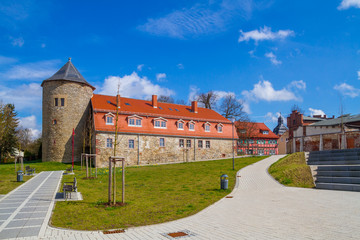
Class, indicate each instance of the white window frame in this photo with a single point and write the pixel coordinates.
(182, 124)
(181, 143)
(161, 121)
(191, 123)
(188, 143)
(207, 126)
(109, 141)
(132, 145)
(220, 128)
(109, 115)
(134, 118)
(162, 145)
(200, 141)
(207, 144)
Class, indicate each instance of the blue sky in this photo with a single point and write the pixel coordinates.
(270, 54)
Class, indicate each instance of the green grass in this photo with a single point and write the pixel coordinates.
(154, 194)
(8, 175)
(293, 171)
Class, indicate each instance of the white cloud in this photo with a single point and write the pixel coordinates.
(264, 34)
(273, 58)
(193, 93)
(347, 90)
(246, 107)
(298, 84)
(30, 123)
(161, 77)
(200, 19)
(32, 71)
(358, 73)
(264, 90)
(17, 42)
(133, 86)
(270, 117)
(7, 60)
(345, 4)
(25, 96)
(222, 94)
(316, 112)
(140, 67)
(180, 66)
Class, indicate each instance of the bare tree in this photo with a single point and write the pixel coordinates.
(24, 137)
(165, 99)
(208, 99)
(232, 108)
(295, 107)
(181, 102)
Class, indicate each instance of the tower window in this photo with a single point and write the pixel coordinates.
(54, 122)
(62, 101)
(56, 102)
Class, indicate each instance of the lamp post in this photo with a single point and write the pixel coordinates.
(233, 162)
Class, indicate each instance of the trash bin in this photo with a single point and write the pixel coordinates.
(19, 176)
(224, 181)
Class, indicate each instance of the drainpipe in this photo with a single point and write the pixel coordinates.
(138, 152)
(194, 148)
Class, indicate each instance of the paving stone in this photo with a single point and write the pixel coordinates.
(9, 233)
(34, 222)
(7, 210)
(16, 223)
(4, 216)
(29, 232)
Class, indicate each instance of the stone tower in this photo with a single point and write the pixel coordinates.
(280, 129)
(65, 106)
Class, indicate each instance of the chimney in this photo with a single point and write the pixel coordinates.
(194, 107)
(118, 100)
(154, 101)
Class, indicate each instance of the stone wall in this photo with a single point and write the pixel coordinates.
(57, 136)
(149, 151)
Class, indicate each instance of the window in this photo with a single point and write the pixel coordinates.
(181, 143)
(62, 101)
(157, 123)
(220, 128)
(191, 127)
(56, 102)
(200, 144)
(251, 141)
(134, 122)
(131, 143)
(265, 132)
(180, 125)
(207, 127)
(54, 122)
(188, 143)
(162, 142)
(160, 123)
(109, 143)
(207, 144)
(163, 124)
(109, 120)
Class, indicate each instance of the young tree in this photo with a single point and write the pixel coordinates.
(208, 99)
(232, 108)
(8, 125)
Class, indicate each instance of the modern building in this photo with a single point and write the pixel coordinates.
(256, 139)
(147, 131)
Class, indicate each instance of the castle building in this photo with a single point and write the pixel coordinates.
(148, 132)
(256, 138)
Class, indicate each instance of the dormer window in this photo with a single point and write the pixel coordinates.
(207, 127)
(191, 126)
(265, 132)
(220, 128)
(135, 121)
(109, 119)
(160, 123)
(180, 124)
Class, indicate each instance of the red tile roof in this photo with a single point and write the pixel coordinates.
(256, 130)
(104, 103)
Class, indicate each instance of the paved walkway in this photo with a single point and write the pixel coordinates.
(260, 208)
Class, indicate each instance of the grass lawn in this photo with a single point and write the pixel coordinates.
(8, 175)
(154, 194)
(293, 171)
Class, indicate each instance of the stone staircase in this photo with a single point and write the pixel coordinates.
(336, 169)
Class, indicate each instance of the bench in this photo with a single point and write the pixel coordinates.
(29, 171)
(69, 170)
(69, 187)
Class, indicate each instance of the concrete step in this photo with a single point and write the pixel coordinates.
(339, 186)
(339, 162)
(337, 174)
(339, 168)
(343, 180)
(335, 158)
(338, 151)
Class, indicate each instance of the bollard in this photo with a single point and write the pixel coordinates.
(224, 182)
(19, 176)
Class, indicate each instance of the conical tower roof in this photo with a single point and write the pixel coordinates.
(68, 72)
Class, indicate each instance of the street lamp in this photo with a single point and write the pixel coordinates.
(233, 162)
